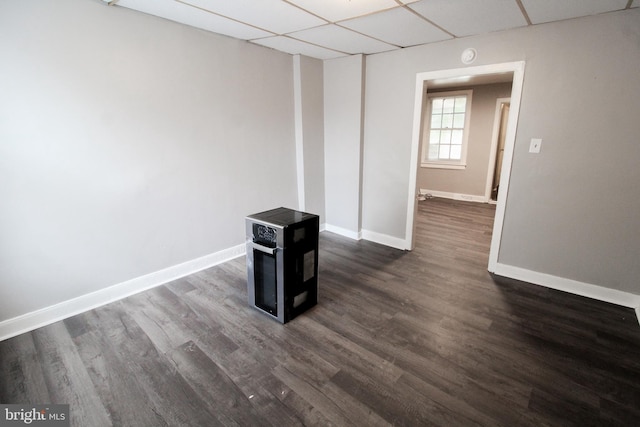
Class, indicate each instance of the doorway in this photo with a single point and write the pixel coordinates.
(423, 81)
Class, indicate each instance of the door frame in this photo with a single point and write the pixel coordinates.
(493, 156)
(422, 79)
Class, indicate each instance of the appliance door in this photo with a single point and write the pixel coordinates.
(267, 275)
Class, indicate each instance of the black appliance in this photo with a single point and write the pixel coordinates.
(282, 262)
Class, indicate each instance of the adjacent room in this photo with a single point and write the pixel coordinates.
(476, 266)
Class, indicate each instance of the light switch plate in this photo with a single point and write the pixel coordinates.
(535, 145)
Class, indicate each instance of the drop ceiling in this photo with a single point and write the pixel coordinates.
(326, 29)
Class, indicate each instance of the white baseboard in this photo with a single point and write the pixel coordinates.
(343, 232)
(45, 316)
(600, 293)
(372, 236)
(36, 319)
(385, 239)
(455, 196)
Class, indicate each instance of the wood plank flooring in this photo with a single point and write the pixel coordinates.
(421, 338)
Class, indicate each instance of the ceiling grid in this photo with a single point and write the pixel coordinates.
(333, 28)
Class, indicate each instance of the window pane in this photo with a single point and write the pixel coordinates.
(456, 137)
(456, 152)
(433, 152)
(447, 106)
(436, 121)
(436, 106)
(461, 104)
(447, 120)
(458, 121)
(445, 137)
(434, 137)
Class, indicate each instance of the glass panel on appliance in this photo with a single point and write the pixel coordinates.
(265, 282)
(309, 265)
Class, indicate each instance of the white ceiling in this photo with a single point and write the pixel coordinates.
(328, 29)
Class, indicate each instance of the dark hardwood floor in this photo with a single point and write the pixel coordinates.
(421, 338)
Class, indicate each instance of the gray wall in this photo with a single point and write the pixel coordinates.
(311, 130)
(572, 210)
(343, 94)
(125, 140)
(129, 144)
(473, 179)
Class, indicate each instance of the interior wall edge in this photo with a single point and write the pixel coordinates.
(355, 235)
(33, 320)
(613, 296)
(385, 239)
(299, 134)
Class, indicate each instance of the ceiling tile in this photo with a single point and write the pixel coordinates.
(554, 10)
(468, 17)
(338, 10)
(194, 17)
(636, 3)
(342, 39)
(397, 26)
(276, 16)
(292, 46)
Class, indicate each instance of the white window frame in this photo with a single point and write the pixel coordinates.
(445, 164)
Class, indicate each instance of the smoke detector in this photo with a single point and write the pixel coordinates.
(468, 55)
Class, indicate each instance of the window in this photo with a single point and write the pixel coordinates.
(446, 129)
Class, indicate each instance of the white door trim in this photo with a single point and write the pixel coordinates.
(516, 92)
(493, 156)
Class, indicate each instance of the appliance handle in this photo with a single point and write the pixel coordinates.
(264, 249)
